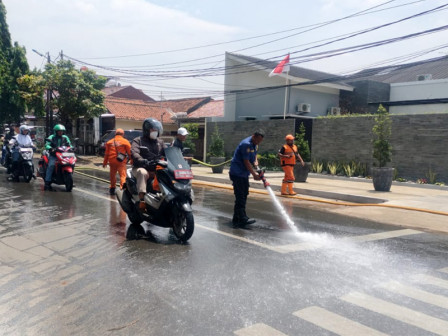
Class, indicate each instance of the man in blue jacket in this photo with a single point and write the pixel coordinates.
(243, 164)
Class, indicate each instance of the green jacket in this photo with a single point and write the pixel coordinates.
(55, 141)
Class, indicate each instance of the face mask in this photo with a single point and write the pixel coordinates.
(153, 135)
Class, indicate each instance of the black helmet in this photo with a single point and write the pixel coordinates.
(151, 123)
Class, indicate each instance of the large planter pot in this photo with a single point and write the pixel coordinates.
(214, 160)
(301, 173)
(382, 178)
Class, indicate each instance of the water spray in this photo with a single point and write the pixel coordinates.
(277, 203)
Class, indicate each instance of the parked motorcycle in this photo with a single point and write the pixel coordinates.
(169, 208)
(21, 163)
(64, 166)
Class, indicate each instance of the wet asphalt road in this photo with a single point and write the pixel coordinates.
(66, 269)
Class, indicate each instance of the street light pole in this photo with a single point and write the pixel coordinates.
(48, 109)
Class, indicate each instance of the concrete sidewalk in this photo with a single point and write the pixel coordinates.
(408, 205)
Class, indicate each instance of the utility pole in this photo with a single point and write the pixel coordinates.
(48, 109)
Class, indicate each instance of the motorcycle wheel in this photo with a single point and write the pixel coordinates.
(68, 181)
(134, 232)
(183, 225)
(27, 173)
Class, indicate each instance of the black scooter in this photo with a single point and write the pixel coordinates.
(170, 207)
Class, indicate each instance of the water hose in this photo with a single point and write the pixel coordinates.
(210, 165)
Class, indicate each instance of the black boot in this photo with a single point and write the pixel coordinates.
(246, 220)
(48, 186)
(111, 191)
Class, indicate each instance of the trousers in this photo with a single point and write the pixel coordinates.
(289, 174)
(241, 191)
(115, 167)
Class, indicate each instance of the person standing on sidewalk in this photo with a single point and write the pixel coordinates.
(288, 155)
(118, 151)
(242, 165)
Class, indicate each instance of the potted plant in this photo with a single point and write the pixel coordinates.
(216, 152)
(303, 147)
(382, 176)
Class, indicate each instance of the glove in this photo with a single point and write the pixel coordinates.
(163, 164)
(149, 165)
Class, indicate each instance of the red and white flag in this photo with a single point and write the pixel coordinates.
(283, 66)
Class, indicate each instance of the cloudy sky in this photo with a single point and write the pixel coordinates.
(184, 36)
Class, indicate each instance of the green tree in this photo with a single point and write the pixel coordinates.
(77, 93)
(32, 90)
(13, 65)
(382, 129)
(193, 134)
(302, 145)
(217, 144)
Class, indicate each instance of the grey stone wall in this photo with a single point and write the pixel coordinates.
(233, 132)
(365, 92)
(420, 142)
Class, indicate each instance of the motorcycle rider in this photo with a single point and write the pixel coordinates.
(57, 139)
(9, 134)
(22, 139)
(146, 150)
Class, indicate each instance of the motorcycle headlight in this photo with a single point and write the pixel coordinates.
(183, 188)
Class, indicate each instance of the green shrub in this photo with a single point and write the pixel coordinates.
(270, 161)
(303, 146)
(217, 144)
(348, 169)
(382, 129)
(317, 167)
(333, 167)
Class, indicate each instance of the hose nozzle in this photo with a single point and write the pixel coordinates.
(263, 179)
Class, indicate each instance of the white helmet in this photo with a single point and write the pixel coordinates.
(24, 128)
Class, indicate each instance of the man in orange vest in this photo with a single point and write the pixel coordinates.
(288, 156)
(118, 151)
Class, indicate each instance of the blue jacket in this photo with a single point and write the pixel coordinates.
(246, 150)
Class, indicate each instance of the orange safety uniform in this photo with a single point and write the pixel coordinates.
(288, 163)
(121, 145)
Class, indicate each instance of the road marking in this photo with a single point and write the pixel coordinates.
(335, 323)
(250, 241)
(382, 235)
(406, 315)
(258, 329)
(417, 294)
(430, 280)
(445, 270)
(96, 195)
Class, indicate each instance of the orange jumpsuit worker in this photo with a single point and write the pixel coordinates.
(115, 146)
(288, 155)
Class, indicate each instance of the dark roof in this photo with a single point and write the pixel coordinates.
(128, 92)
(437, 68)
(294, 71)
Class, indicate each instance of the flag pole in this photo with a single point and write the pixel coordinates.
(286, 95)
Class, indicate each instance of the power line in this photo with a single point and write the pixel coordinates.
(363, 12)
(264, 63)
(173, 74)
